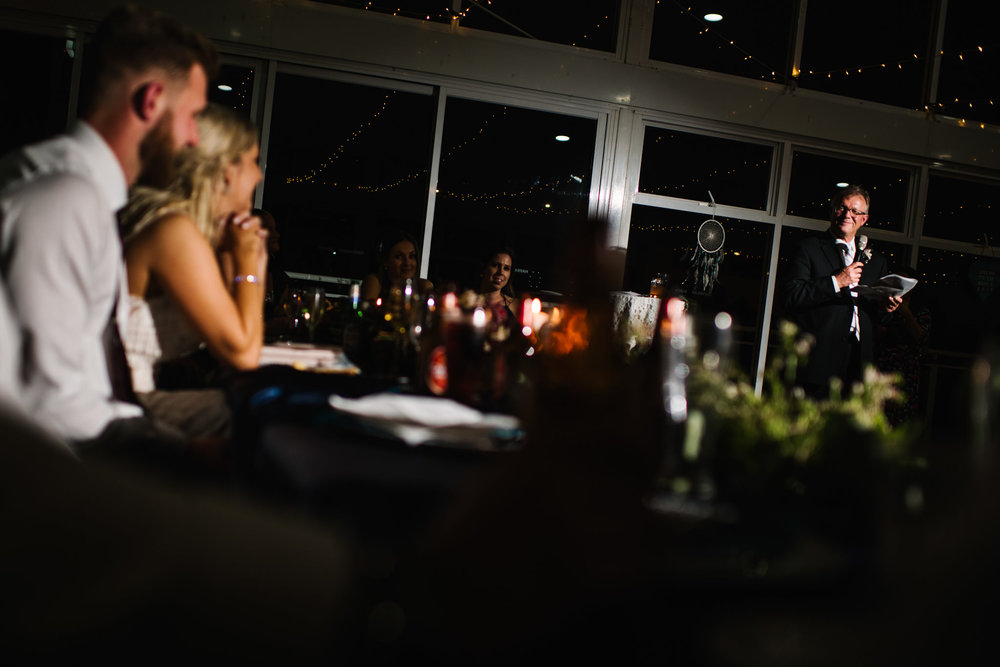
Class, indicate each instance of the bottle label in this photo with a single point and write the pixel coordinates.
(437, 371)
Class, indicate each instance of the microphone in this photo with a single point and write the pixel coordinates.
(864, 252)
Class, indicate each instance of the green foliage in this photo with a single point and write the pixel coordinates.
(783, 426)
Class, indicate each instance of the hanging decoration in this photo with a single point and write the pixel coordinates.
(703, 272)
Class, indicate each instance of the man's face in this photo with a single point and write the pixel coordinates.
(157, 153)
(185, 106)
(849, 217)
(176, 128)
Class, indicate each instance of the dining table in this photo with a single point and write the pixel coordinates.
(500, 547)
(310, 430)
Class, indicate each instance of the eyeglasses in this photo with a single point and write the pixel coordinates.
(853, 211)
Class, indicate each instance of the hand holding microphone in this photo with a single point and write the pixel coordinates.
(864, 253)
(850, 275)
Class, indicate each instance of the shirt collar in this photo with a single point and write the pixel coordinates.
(849, 244)
(105, 168)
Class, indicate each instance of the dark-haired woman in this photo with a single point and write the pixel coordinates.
(495, 286)
(399, 259)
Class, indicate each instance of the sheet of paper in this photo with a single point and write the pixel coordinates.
(890, 285)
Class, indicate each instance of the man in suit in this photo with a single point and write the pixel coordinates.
(820, 296)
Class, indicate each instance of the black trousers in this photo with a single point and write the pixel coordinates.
(139, 441)
(848, 367)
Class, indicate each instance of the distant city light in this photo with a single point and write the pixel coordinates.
(714, 18)
(562, 137)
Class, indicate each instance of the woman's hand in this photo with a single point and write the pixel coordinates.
(246, 240)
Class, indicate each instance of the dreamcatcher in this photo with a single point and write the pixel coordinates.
(703, 273)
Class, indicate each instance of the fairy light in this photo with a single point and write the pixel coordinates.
(723, 40)
(315, 172)
(898, 64)
(597, 27)
(768, 73)
(242, 89)
(506, 202)
(479, 133)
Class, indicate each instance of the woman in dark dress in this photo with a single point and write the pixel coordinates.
(398, 261)
(495, 285)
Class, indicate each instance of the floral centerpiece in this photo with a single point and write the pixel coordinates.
(782, 447)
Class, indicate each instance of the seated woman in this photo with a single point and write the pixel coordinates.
(399, 259)
(196, 262)
(495, 286)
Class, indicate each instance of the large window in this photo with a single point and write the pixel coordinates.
(744, 38)
(36, 87)
(961, 210)
(509, 177)
(867, 50)
(592, 24)
(664, 241)
(815, 178)
(345, 162)
(233, 87)
(689, 166)
(969, 63)
(961, 289)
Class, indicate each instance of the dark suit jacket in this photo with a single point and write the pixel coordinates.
(816, 307)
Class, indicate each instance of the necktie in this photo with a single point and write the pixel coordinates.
(114, 353)
(855, 320)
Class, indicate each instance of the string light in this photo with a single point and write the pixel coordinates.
(746, 55)
(315, 175)
(479, 133)
(916, 59)
(597, 27)
(339, 151)
(242, 91)
(830, 73)
(545, 208)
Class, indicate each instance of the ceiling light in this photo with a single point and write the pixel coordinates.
(842, 184)
(562, 137)
(225, 87)
(713, 17)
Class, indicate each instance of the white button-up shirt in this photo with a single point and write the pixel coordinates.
(62, 270)
(849, 249)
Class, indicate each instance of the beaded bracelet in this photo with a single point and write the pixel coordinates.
(249, 278)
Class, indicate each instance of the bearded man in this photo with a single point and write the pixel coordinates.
(61, 270)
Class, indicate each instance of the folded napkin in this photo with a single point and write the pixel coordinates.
(423, 419)
(307, 357)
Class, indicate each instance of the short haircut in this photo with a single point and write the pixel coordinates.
(850, 191)
(133, 40)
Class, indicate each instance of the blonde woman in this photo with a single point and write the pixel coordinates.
(196, 262)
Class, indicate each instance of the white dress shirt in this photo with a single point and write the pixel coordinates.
(10, 350)
(62, 270)
(849, 249)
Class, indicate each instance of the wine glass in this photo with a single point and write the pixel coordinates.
(304, 307)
